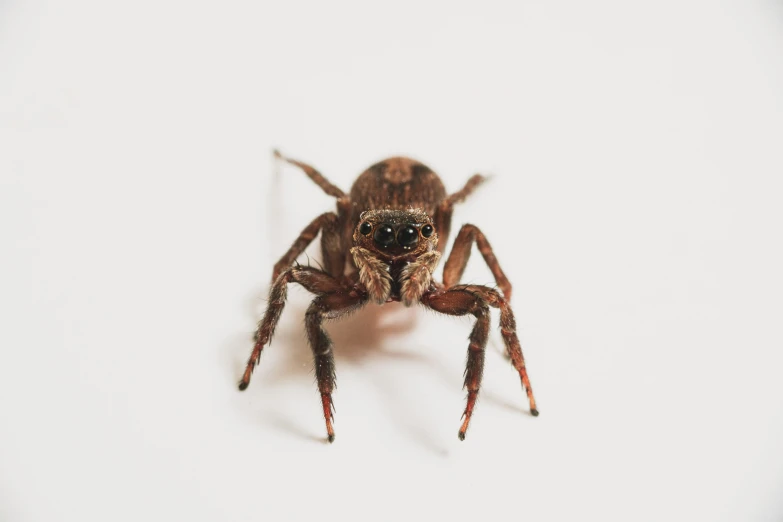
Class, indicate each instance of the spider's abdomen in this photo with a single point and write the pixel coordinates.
(397, 183)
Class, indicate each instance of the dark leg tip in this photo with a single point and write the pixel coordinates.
(276, 153)
(461, 435)
(330, 438)
(534, 412)
(242, 385)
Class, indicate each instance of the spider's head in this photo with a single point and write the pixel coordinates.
(393, 235)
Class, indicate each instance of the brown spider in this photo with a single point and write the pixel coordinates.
(394, 224)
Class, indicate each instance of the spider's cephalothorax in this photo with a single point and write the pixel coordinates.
(382, 245)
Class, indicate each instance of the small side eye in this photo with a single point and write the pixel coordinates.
(427, 230)
(365, 228)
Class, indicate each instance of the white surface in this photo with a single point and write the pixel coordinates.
(635, 206)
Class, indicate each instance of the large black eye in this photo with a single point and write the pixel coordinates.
(427, 230)
(384, 235)
(365, 228)
(407, 236)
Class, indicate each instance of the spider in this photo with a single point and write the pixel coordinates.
(390, 231)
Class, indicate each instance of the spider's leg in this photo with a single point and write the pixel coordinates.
(331, 246)
(314, 175)
(328, 306)
(508, 330)
(312, 279)
(333, 300)
(460, 253)
(444, 211)
(463, 302)
(467, 190)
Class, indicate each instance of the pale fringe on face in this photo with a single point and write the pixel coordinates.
(417, 277)
(373, 274)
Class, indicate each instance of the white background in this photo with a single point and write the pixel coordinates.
(635, 206)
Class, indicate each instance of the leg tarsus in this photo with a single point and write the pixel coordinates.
(328, 405)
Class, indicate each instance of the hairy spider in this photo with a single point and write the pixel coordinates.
(390, 230)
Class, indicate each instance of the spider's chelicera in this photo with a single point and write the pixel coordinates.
(383, 245)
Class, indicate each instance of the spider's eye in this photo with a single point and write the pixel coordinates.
(365, 228)
(407, 236)
(384, 235)
(427, 230)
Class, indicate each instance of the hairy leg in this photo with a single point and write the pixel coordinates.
(508, 330)
(462, 302)
(444, 211)
(460, 253)
(328, 306)
(333, 300)
(467, 190)
(314, 175)
(331, 246)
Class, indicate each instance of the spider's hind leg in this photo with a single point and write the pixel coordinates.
(446, 209)
(314, 175)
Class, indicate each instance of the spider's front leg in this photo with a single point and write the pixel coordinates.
(462, 302)
(328, 306)
(333, 300)
(508, 330)
(452, 273)
(476, 300)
